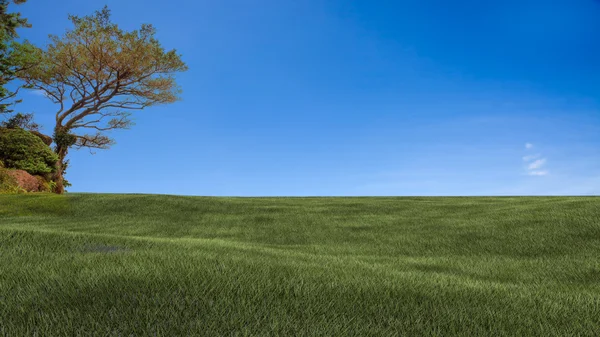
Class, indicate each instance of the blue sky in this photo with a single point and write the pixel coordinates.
(303, 98)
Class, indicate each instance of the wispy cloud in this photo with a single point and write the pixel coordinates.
(38, 92)
(531, 157)
(535, 164)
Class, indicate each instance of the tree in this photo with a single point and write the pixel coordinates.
(97, 74)
(14, 56)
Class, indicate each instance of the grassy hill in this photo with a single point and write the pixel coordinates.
(98, 265)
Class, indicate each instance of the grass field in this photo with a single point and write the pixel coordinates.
(143, 265)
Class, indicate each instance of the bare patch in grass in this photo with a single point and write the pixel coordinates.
(105, 249)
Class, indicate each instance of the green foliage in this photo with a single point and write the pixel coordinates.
(64, 139)
(6, 181)
(44, 184)
(52, 185)
(14, 57)
(8, 184)
(20, 120)
(20, 149)
(9, 22)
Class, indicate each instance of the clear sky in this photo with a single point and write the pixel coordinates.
(344, 97)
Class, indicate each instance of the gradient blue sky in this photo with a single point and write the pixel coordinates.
(370, 97)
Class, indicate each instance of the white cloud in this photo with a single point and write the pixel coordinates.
(534, 163)
(38, 92)
(531, 157)
(537, 164)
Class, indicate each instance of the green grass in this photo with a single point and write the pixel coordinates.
(143, 265)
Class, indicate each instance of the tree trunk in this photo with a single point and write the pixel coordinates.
(60, 168)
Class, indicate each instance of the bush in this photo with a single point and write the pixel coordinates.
(20, 149)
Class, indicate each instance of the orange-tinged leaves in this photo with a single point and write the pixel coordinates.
(96, 71)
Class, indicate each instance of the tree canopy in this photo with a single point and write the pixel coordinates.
(14, 56)
(97, 74)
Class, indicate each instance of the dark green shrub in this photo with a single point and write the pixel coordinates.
(20, 149)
